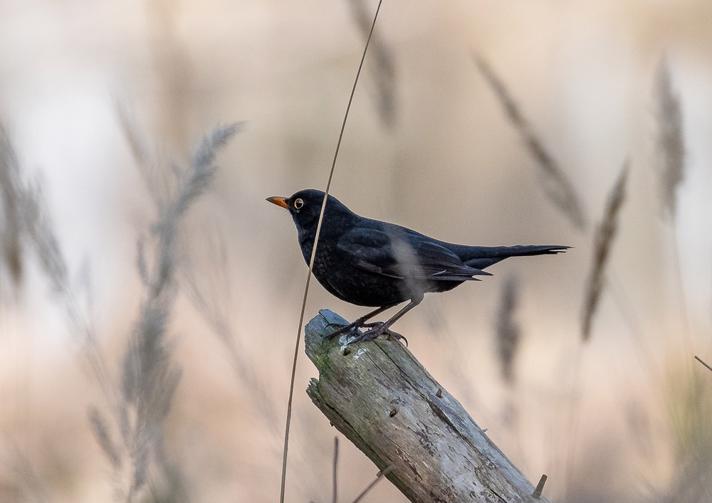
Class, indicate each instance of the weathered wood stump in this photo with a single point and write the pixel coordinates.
(382, 399)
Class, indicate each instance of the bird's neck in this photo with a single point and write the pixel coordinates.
(333, 225)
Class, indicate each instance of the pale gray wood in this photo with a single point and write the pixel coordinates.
(383, 400)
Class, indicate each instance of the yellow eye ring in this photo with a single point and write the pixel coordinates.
(298, 203)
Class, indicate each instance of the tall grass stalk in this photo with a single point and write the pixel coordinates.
(149, 378)
(603, 243)
(562, 194)
(36, 229)
(670, 140)
(384, 72)
(33, 227)
(671, 173)
(703, 363)
(288, 420)
(11, 219)
(374, 483)
(507, 331)
(555, 182)
(335, 473)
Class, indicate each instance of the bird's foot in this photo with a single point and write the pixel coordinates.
(343, 330)
(353, 328)
(377, 329)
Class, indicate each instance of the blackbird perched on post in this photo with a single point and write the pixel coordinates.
(372, 263)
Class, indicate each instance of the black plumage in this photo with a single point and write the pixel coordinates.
(372, 263)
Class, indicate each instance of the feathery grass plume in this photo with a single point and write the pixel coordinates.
(149, 378)
(33, 227)
(210, 292)
(102, 434)
(385, 69)
(42, 239)
(39, 233)
(507, 330)
(10, 194)
(603, 242)
(555, 183)
(45, 244)
(127, 124)
(671, 171)
(671, 144)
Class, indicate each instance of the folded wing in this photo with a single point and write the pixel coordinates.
(402, 256)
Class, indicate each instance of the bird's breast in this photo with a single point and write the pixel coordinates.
(336, 272)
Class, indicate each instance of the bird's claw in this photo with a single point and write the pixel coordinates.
(350, 328)
(375, 330)
(343, 330)
(396, 336)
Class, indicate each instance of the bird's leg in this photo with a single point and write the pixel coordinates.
(384, 327)
(360, 322)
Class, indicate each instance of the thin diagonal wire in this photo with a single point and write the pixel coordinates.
(313, 256)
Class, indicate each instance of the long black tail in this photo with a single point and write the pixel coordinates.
(485, 256)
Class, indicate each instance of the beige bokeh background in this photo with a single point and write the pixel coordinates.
(595, 418)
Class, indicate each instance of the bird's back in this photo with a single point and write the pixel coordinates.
(374, 263)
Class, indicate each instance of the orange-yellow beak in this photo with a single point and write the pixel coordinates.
(279, 201)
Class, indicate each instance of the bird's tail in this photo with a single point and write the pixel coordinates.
(485, 256)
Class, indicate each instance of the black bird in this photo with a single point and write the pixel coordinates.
(372, 263)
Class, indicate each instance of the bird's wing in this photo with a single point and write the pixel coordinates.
(400, 256)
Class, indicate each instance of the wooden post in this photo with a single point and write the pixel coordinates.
(382, 399)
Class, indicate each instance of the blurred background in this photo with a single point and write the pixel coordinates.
(479, 122)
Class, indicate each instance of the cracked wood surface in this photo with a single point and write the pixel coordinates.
(383, 400)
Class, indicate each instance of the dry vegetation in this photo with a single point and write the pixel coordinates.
(170, 387)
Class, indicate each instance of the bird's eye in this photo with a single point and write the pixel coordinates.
(298, 203)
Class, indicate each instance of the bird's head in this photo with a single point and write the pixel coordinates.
(305, 206)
